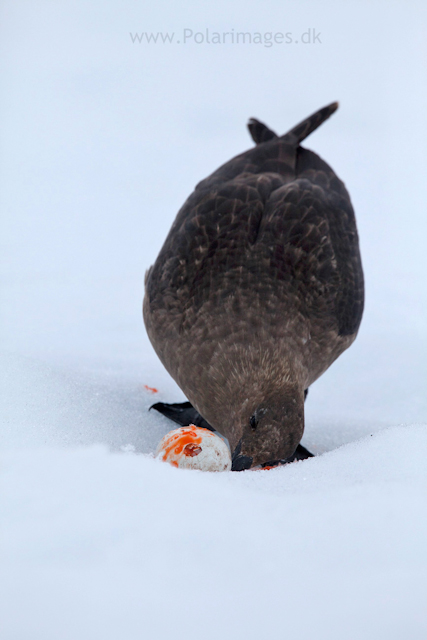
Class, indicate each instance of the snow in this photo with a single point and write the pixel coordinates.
(108, 545)
(102, 141)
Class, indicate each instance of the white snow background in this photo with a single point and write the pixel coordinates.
(102, 140)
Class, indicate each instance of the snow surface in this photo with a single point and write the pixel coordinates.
(107, 545)
(102, 141)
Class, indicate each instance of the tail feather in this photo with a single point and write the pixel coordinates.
(259, 131)
(298, 133)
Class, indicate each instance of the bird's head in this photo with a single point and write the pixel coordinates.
(255, 397)
(270, 428)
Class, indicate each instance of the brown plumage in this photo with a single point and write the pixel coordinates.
(257, 289)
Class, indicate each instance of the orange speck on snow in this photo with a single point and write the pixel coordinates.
(152, 389)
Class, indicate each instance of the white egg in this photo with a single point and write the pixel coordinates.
(194, 448)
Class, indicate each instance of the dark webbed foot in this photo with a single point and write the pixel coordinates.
(301, 453)
(182, 413)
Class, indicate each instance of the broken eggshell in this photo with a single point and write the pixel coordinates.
(194, 448)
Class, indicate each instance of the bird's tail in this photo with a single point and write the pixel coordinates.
(298, 133)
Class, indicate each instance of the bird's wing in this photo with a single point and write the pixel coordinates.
(309, 234)
(209, 243)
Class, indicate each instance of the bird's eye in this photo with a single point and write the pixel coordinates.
(253, 422)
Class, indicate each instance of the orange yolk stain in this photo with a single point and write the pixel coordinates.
(187, 442)
(192, 449)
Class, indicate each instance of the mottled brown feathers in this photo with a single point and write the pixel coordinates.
(258, 288)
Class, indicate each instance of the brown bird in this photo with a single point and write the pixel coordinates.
(257, 289)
